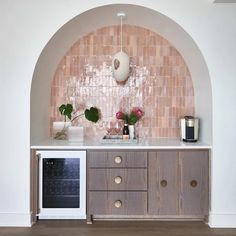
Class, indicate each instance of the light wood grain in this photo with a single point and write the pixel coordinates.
(104, 179)
(114, 228)
(106, 159)
(194, 166)
(97, 159)
(163, 183)
(133, 203)
(34, 186)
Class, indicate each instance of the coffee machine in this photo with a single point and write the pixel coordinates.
(189, 126)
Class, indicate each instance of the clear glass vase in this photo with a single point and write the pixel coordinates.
(60, 129)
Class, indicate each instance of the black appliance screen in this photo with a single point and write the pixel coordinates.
(61, 184)
(189, 132)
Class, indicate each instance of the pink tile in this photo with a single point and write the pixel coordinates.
(160, 82)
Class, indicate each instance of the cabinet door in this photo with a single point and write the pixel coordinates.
(163, 183)
(194, 172)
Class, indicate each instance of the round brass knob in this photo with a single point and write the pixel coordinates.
(163, 183)
(118, 203)
(118, 179)
(118, 159)
(193, 183)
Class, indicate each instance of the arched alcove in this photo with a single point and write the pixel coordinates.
(159, 81)
(103, 16)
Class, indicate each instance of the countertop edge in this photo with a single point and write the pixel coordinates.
(115, 148)
(40, 147)
(150, 144)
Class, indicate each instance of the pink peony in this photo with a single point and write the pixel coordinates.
(138, 112)
(120, 115)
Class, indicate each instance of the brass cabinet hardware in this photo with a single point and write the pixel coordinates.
(118, 179)
(118, 159)
(163, 183)
(118, 203)
(193, 183)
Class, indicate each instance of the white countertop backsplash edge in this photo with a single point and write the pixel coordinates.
(162, 143)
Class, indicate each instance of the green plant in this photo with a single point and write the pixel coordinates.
(91, 114)
(66, 110)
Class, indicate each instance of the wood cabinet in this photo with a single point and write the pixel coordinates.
(178, 183)
(194, 179)
(117, 179)
(116, 183)
(163, 183)
(117, 159)
(117, 203)
(154, 184)
(34, 186)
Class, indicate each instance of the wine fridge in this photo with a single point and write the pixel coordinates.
(62, 184)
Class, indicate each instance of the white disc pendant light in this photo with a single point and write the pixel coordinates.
(120, 61)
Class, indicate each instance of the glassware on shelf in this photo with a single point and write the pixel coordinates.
(118, 127)
(109, 128)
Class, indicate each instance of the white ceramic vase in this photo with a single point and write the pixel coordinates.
(131, 132)
(75, 134)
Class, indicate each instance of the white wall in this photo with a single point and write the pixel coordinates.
(94, 19)
(27, 26)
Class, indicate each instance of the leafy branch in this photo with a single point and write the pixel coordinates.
(91, 114)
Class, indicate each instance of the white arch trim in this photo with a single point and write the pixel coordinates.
(96, 18)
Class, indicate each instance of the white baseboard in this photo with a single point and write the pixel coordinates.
(222, 220)
(15, 219)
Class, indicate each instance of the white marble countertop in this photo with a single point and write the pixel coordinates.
(161, 143)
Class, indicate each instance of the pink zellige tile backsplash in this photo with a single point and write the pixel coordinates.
(159, 81)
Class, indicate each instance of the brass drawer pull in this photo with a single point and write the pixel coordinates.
(193, 183)
(118, 159)
(118, 203)
(163, 183)
(118, 179)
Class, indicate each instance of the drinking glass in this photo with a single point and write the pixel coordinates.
(117, 127)
(109, 128)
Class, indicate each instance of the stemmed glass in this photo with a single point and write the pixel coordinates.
(109, 128)
(117, 127)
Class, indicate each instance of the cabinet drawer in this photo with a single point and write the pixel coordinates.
(117, 179)
(118, 203)
(129, 159)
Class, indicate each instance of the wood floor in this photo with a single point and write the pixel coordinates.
(108, 228)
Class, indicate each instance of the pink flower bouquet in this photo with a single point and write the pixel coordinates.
(134, 116)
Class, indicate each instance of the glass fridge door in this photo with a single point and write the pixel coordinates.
(61, 183)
